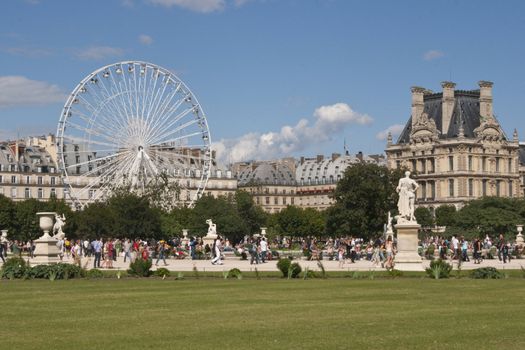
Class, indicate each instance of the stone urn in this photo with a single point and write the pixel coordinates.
(46, 221)
(46, 250)
(519, 238)
(263, 231)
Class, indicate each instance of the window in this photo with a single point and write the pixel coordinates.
(292, 201)
(267, 200)
(484, 187)
(470, 187)
(28, 179)
(13, 179)
(510, 165)
(53, 193)
(398, 165)
(414, 165)
(469, 163)
(53, 181)
(284, 200)
(423, 190)
(451, 163)
(40, 193)
(92, 194)
(498, 183)
(276, 200)
(257, 200)
(39, 180)
(13, 192)
(497, 164)
(27, 193)
(451, 188)
(1, 179)
(510, 189)
(484, 163)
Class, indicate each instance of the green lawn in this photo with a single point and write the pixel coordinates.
(262, 314)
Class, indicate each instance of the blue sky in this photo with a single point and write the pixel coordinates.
(275, 77)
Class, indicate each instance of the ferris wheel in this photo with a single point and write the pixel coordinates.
(129, 123)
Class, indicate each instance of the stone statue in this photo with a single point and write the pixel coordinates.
(407, 198)
(212, 228)
(60, 222)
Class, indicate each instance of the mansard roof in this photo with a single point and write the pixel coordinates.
(466, 113)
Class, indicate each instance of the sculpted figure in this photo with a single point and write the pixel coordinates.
(60, 221)
(212, 228)
(407, 197)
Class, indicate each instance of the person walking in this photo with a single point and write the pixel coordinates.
(127, 249)
(217, 245)
(161, 251)
(264, 249)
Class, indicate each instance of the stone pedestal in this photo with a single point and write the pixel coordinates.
(209, 239)
(185, 240)
(46, 250)
(407, 258)
(519, 238)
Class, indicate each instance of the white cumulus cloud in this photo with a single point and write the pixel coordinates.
(99, 52)
(328, 121)
(21, 91)
(145, 39)
(432, 55)
(202, 6)
(395, 130)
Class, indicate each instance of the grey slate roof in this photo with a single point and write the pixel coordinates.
(466, 113)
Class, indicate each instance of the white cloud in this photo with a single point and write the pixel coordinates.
(202, 6)
(432, 55)
(127, 3)
(27, 51)
(99, 52)
(21, 91)
(239, 3)
(329, 121)
(395, 130)
(145, 39)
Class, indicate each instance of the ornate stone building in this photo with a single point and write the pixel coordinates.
(456, 148)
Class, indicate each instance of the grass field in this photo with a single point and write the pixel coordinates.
(262, 314)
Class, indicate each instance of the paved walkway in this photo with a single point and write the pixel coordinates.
(244, 265)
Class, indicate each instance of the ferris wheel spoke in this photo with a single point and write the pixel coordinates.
(78, 140)
(176, 155)
(91, 131)
(89, 120)
(159, 113)
(159, 138)
(96, 160)
(112, 97)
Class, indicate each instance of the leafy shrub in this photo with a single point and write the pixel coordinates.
(439, 269)
(140, 268)
(283, 265)
(486, 273)
(55, 271)
(94, 273)
(235, 273)
(294, 270)
(162, 272)
(14, 267)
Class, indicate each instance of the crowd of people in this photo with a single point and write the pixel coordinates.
(259, 250)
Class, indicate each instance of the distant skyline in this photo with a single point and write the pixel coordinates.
(274, 77)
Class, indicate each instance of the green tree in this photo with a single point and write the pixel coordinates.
(27, 223)
(446, 215)
(424, 217)
(490, 215)
(175, 221)
(223, 212)
(94, 221)
(253, 215)
(7, 214)
(363, 198)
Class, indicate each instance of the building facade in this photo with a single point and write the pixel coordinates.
(456, 147)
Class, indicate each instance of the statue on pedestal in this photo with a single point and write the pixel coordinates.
(60, 222)
(212, 228)
(407, 197)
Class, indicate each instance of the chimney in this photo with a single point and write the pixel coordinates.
(359, 155)
(335, 156)
(417, 103)
(320, 158)
(302, 160)
(485, 99)
(447, 105)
